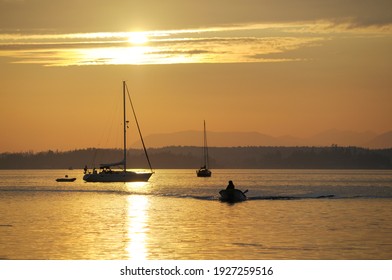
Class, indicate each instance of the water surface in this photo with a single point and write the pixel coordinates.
(290, 214)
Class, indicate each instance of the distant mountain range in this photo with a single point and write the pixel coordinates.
(331, 137)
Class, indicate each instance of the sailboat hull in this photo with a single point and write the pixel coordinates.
(203, 173)
(128, 176)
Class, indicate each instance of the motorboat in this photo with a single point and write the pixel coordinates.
(232, 195)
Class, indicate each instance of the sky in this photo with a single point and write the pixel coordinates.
(278, 67)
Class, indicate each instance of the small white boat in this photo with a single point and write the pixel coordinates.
(65, 179)
(232, 195)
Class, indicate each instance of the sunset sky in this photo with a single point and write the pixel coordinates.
(278, 67)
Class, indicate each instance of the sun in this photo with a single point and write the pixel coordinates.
(138, 38)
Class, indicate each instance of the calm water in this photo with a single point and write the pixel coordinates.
(290, 214)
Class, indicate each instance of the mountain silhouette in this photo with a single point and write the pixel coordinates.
(331, 137)
(341, 138)
(381, 141)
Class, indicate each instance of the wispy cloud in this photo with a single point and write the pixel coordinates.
(230, 44)
(114, 15)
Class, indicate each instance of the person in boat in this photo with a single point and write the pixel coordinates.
(230, 186)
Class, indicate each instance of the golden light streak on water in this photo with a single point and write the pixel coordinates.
(137, 232)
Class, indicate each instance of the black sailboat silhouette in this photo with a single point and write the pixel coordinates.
(204, 170)
(106, 174)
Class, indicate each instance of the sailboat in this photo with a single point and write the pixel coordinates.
(106, 174)
(204, 171)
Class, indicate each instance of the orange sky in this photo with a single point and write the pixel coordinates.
(275, 67)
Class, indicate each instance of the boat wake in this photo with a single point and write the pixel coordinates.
(279, 197)
(205, 196)
(290, 197)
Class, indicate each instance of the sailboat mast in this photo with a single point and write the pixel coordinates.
(125, 130)
(205, 147)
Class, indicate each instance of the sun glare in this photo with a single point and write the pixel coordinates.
(138, 230)
(138, 38)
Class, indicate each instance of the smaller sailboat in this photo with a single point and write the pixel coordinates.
(204, 171)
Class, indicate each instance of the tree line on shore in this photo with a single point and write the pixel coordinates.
(333, 157)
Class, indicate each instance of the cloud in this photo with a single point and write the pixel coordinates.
(118, 15)
(212, 45)
(222, 44)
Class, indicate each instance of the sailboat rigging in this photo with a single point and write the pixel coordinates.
(204, 171)
(106, 174)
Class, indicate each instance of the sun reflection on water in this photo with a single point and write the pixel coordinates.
(133, 186)
(137, 231)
